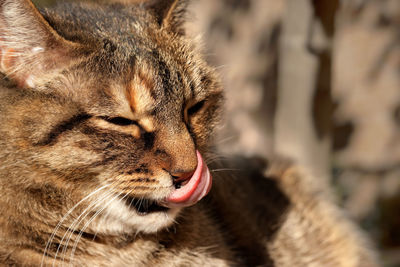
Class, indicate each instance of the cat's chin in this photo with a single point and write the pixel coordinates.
(131, 216)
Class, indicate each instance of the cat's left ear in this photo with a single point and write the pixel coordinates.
(170, 14)
(29, 47)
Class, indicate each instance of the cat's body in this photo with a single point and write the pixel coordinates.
(106, 114)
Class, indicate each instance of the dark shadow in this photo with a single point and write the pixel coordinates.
(248, 207)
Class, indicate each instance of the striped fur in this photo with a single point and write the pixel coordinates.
(101, 105)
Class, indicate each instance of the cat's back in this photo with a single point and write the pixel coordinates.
(278, 215)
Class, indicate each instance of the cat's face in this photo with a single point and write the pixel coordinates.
(125, 117)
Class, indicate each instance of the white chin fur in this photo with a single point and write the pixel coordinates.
(117, 217)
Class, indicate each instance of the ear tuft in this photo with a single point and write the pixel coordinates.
(29, 47)
(169, 14)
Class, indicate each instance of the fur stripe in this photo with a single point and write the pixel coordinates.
(164, 72)
(62, 127)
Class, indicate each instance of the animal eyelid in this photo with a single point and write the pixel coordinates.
(196, 107)
(121, 121)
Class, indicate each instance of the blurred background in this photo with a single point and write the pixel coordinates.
(318, 81)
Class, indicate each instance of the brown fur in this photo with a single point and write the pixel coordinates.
(102, 106)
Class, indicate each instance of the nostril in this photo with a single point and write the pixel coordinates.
(180, 176)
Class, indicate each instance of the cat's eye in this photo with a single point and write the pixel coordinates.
(121, 121)
(196, 108)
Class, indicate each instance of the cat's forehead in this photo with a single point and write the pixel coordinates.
(150, 84)
(157, 77)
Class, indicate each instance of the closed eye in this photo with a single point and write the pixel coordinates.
(121, 121)
(196, 108)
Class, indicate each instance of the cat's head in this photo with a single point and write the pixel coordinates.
(109, 101)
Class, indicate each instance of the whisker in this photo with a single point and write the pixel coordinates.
(210, 160)
(90, 221)
(225, 66)
(212, 155)
(139, 202)
(225, 169)
(70, 230)
(130, 204)
(50, 241)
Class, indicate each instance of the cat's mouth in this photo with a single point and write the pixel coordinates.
(185, 193)
(144, 206)
(193, 189)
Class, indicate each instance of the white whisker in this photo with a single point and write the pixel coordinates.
(76, 222)
(50, 241)
(90, 220)
(224, 169)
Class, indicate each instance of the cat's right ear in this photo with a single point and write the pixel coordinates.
(29, 46)
(170, 14)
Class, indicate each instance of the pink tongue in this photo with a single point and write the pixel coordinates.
(196, 188)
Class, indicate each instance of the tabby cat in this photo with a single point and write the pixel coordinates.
(106, 116)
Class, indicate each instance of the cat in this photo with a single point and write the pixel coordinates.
(107, 114)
